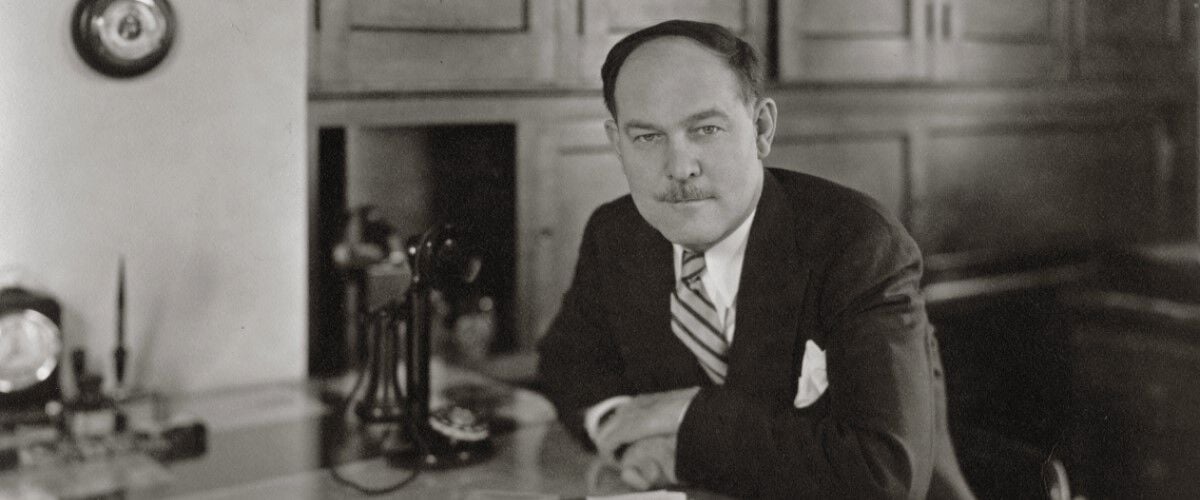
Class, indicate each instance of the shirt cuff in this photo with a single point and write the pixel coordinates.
(591, 417)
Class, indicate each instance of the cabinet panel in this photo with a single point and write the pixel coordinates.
(602, 23)
(1143, 39)
(835, 18)
(424, 44)
(828, 40)
(1027, 187)
(872, 164)
(1021, 19)
(1120, 22)
(988, 40)
(582, 174)
(444, 15)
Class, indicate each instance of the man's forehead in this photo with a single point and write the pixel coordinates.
(672, 79)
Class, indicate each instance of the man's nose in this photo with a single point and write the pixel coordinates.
(682, 163)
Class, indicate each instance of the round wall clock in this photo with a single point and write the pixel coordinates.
(123, 38)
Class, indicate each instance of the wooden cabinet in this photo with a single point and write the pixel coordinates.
(1011, 40)
(868, 159)
(914, 40)
(369, 45)
(1149, 38)
(417, 45)
(836, 40)
(1034, 185)
(401, 45)
(601, 23)
(577, 171)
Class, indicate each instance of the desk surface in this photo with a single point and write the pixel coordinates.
(280, 441)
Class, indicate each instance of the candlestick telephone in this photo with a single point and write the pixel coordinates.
(396, 290)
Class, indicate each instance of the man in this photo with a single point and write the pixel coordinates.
(746, 330)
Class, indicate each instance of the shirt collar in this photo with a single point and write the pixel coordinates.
(723, 264)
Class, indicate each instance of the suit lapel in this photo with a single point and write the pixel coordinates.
(769, 298)
(649, 276)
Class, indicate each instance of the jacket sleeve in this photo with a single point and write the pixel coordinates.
(578, 363)
(871, 435)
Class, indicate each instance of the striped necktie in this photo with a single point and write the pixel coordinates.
(694, 318)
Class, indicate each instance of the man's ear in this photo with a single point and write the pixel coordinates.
(765, 114)
(614, 135)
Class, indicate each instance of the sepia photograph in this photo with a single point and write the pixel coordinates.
(599, 249)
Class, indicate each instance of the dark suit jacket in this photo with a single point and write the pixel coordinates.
(824, 263)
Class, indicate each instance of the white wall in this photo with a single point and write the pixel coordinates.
(194, 171)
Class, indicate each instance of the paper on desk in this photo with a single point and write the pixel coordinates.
(645, 495)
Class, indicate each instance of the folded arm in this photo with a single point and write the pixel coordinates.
(872, 433)
(578, 365)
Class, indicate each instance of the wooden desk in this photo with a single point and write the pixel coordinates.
(535, 459)
(280, 441)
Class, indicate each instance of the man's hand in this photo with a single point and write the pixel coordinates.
(646, 415)
(650, 463)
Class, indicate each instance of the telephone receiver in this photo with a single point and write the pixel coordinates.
(451, 436)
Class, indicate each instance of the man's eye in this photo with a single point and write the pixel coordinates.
(645, 137)
(708, 130)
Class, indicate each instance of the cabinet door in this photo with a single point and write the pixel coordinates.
(1010, 40)
(602, 23)
(839, 40)
(436, 44)
(578, 172)
(1026, 187)
(873, 163)
(1148, 38)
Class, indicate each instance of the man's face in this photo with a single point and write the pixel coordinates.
(689, 143)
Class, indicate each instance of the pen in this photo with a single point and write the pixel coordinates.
(119, 352)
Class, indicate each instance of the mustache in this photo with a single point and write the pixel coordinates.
(680, 192)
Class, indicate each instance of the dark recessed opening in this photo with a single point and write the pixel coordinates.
(415, 177)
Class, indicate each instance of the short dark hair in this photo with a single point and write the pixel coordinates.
(741, 56)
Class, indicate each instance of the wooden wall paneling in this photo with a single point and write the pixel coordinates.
(1019, 187)
(873, 163)
(391, 168)
(602, 23)
(439, 16)
(1146, 39)
(332, 38)
(917, 214)
(422, 45)
(965, 160)
(536, 152)
(1015, 40)
(313, 47)
(867, 150)
(871, 40)
(580, 172)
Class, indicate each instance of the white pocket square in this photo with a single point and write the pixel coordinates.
(813, 380)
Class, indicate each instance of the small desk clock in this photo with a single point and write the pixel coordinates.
(123, 38)
(30, 348)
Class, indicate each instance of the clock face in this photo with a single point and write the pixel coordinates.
(29, 349)
(131, 29)
(123, 37)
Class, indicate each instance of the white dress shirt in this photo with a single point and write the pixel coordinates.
(723, 273)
